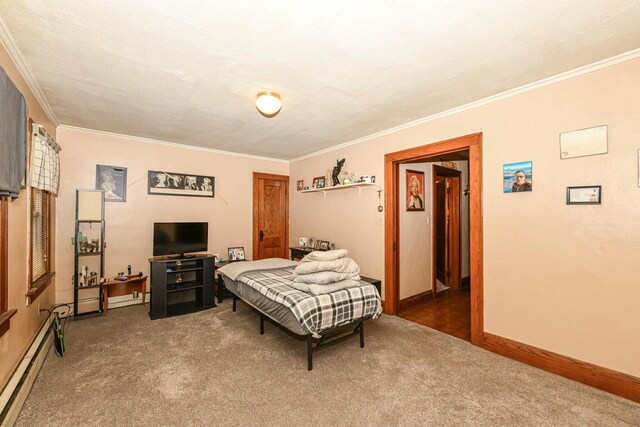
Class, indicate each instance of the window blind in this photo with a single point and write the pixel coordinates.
(39, 234)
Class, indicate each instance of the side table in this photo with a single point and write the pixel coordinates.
(117, 287)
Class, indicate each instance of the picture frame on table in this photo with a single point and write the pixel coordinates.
(312, 243)
(236, 254)
(584, 195)
(302, 242)
(324, 245)
(113, 181)
(180, 184)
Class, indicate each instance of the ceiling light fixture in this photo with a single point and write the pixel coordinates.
(268, 103)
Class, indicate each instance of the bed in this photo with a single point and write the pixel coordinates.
(321, 320)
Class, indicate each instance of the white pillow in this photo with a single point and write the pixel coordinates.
(325, 255)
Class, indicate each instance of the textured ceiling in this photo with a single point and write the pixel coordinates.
(188, 71)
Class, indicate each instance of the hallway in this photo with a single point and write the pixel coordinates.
(449, 313)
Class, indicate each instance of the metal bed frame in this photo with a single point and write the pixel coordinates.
(329, 337)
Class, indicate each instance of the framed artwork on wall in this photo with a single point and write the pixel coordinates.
(584, 195)
(415, 190)
(113, 181)
(583, 142)
(180, 184)
(300, 185)
(517, 177)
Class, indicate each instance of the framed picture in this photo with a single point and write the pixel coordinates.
(180, 184)
(585, 195)
(300, 185)
(113, 181)
(236, 254)
(583, 142)
(373, 179)
(324, 245)
(415, 190)
(318, 182)
(517, 177)
(302, 242)
(312, 243)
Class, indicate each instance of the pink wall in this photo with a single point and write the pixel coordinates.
(25, 324)
(558, 277)
(129, 225)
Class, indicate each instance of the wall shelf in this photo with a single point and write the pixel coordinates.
(357, 185)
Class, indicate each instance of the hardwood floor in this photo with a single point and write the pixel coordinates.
(450, 313)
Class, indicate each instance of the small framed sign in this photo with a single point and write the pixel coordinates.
(585, 195)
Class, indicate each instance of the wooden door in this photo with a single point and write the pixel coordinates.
(446, 233)
(270, 216)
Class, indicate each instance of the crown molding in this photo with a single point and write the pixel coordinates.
(618, 59)
(168, 143)
(14, 54)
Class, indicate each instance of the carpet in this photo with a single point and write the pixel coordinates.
(213, 368)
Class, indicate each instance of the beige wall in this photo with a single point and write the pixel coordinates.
(25, 323)
(562, 278)
(415, 236)
(129, 226)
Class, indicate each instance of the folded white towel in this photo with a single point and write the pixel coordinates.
(325, 277)
(342, 265)
(325, 255)
(326, 289)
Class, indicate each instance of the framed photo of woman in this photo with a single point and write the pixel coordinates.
(415, 190)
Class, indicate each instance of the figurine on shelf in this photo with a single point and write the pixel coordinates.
(327, 178)
(95, 244)
(336, 172)
(344, 178)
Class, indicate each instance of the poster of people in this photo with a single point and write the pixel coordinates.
(180, 184)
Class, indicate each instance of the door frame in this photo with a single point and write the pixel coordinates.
(392, 162)
(450, 173)
(256, 227)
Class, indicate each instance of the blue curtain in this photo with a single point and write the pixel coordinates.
(13, 137)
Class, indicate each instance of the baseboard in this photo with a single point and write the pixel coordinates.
(414, 300)
(618, 383)
(15, 393)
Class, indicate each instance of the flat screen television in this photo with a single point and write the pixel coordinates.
(179, 238)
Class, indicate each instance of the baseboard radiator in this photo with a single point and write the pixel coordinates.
(17, 389)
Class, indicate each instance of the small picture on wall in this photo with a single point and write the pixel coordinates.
(300, 185)
(113, 181)
(517, 177)
(415, 190)
(585, 195)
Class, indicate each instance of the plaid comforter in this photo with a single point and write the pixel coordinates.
(316, 313)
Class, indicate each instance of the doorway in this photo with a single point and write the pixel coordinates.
(472, 143)
(270, 216)
(446, 254)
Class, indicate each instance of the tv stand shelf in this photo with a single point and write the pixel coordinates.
(181, 286)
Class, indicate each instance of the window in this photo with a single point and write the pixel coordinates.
(40, 242)
(5, 313)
